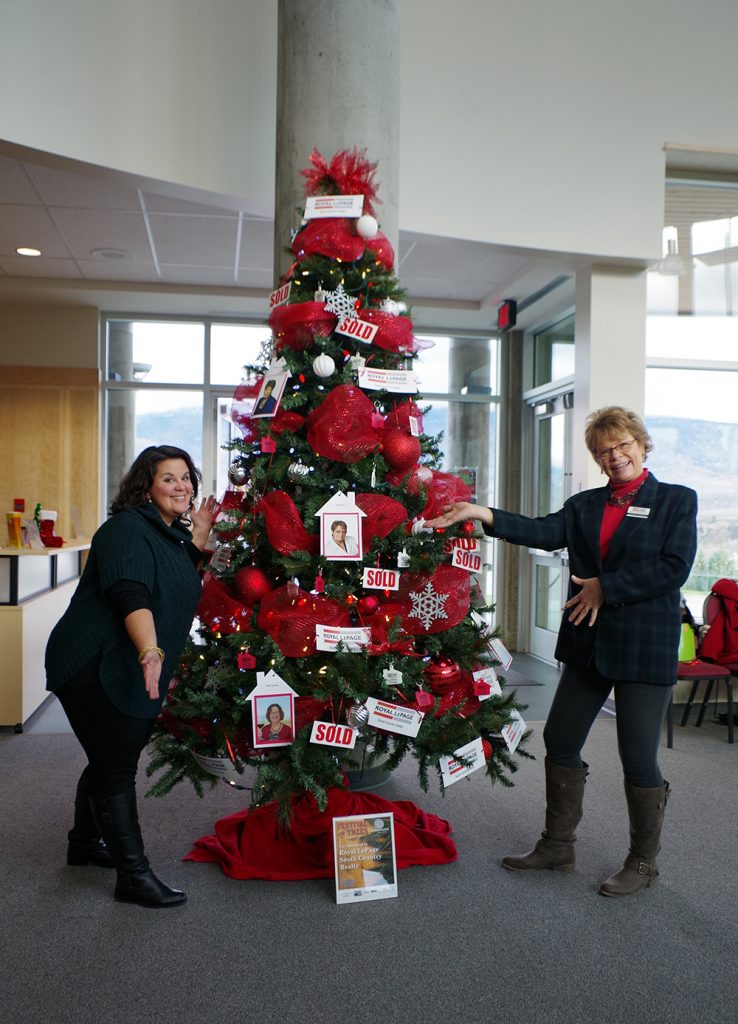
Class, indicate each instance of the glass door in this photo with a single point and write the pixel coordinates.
(549, 576)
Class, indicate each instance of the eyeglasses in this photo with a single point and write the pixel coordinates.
(617, 449)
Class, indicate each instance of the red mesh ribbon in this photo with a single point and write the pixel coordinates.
(348, 174)
(400, 415)
(284, 526)
(289, 615)
(395, 333)
(241, 407)
(341, 427)
(445, 488)
(309, 710)
(460, 696)
(382, 516)
(297, 324)
(380, 246)
(333, 237)
(463, 695)
(441, 489)
(426, 613)
(283, 420)
(219, 610)
(250, 843)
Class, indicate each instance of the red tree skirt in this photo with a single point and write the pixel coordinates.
(251, 844)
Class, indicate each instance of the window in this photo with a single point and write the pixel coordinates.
(692, 375)
(171, 381)
(553, 353)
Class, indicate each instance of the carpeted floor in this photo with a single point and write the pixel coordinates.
(467, 942)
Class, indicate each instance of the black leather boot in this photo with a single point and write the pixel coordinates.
(117, 819)
(85, 845)
(564, 799)
(646, 808)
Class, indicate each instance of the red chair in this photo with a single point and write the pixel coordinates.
(709, 673)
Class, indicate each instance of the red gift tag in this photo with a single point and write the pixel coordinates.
(423, 699)
(268, 445)
(246, 661)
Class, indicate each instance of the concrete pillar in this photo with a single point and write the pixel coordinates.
(338, 74)
(121, 405)
(610, 367)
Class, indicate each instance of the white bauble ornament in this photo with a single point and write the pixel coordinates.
(323, 366)
(297, 471)
(390, 306)
(402, 307)
(366, 226)
(237, 475)
(357, 715)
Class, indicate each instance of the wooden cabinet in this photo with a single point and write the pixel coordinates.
(35, 590)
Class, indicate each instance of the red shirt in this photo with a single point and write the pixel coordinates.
(614, 514)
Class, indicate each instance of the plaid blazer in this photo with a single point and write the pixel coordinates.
(636, 636)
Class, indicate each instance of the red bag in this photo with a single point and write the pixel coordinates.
(721, 640)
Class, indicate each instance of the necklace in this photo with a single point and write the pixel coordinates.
(621, 500)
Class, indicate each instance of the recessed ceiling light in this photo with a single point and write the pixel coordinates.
(110, 254)
(24, 250)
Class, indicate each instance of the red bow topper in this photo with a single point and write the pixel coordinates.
(349, 173)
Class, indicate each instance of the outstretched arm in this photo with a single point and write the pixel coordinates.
(458, 512)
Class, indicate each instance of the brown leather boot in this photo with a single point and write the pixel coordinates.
(646, 809)
(564, 797)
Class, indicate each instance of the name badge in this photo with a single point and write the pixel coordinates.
(638, 512)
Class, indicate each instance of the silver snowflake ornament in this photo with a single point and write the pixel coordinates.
(340, 303)
(428, 605)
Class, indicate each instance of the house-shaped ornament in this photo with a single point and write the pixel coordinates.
(272, 711)
(340, 528)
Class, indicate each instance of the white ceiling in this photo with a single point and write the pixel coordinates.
(131, 245)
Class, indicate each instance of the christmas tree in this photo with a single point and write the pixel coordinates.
(327, 600)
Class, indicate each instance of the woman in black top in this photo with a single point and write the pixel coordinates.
(110, 657)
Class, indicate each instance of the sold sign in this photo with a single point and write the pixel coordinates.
(330, 735)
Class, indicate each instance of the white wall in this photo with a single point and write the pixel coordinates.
(524, 123)
(532, 123)
(177, 90)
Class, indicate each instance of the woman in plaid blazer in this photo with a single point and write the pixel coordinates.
(631, 546)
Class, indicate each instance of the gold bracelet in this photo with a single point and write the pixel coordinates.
(145, 650)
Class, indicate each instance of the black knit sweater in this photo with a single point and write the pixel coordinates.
(135, 544)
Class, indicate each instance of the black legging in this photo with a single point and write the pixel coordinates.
(640, 711)
(111, 740)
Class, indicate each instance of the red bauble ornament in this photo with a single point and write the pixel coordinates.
(487, 749)
(400, 450)
(368, 605)
(252, 584)
(442, 674)
(468, 526)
